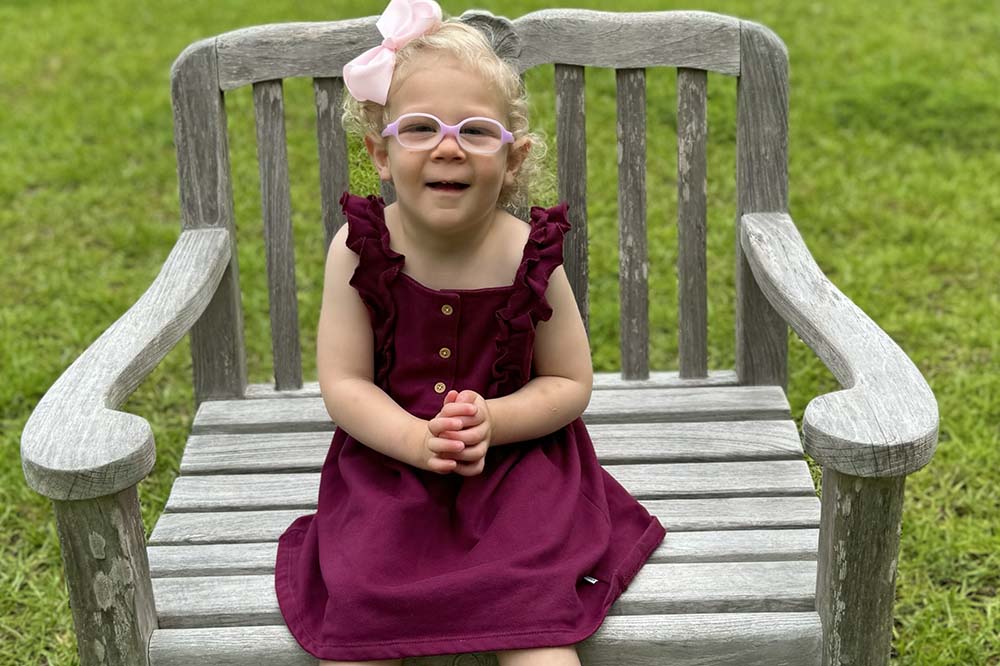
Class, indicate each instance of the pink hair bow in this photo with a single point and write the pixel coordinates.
(368, 76)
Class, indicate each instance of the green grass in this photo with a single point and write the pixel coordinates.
(894, 165)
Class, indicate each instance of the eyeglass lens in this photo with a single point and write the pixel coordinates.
(424, 132)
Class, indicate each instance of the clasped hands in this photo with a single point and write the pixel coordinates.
(457, 438)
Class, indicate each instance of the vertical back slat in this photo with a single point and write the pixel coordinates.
(692, 130)
(633, 263)
(571, 144)
(277, 208)
(762, 186)
(332, 140)
(218, 355)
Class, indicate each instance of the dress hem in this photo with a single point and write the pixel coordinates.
(417, 647)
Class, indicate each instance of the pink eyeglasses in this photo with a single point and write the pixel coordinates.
(422, 131)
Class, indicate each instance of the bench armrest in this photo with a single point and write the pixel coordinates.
(885, 420)
(75, 445)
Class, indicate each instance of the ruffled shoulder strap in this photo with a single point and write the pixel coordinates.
(527, 304)
(378, 267)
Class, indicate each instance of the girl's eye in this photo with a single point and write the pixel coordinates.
(481, 129)
(418, 128)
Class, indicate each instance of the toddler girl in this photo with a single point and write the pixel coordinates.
(461, 505)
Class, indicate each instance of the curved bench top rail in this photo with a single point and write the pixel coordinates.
(885, 420)
(698, 40)
(76, 446)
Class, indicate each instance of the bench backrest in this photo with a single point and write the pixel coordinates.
(693, 42)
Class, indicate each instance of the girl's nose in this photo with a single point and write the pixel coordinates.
(449, 147)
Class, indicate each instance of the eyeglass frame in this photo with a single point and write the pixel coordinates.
(392, 129)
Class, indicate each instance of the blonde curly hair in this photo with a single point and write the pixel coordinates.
(468, 45)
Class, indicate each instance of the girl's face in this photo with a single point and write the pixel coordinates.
(441, 86)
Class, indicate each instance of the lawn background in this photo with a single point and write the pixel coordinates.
(894, 183)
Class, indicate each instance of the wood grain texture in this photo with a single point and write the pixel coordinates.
(762, 185)
(231, 601)
(633, 261)
(681, 515)
(272, 157)
(334, 169)
(75, 445)
(700, 40)
(615, 444)
(265, 492)
(206, 195)
(655, 405)
(107, 574)
(571, 144)
(602, 381)
(719, 639)
(856, 582)
(692, 202)
(885, 420)
(729, 546)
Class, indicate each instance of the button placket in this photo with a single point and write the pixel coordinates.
(445, 352)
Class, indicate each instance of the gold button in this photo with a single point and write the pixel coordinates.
(444, 352)
(447, 309)
(439, 387)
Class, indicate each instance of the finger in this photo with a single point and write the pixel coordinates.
(441, 446)
(439, 424)
(451, 397)
(467, 395)
(457, 409)
(470, 469)
(442, 466)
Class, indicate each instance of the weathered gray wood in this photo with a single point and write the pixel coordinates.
(762, 185)
(856, 580)
(699, 40)
(722, 403)
(684, 515)
(217, 351)
(885, 421)
(602, 380)
(719, 639)
(730, 546)
(229, 601)
(633, 263)
(692, 187)
(571, 143)
(107, 574)
(334, 169)
(755, 478)
(272, 156)
(615, 444)
(75, 445)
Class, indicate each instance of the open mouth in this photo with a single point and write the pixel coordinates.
(447, 186)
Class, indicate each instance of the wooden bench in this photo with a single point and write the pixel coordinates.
(752, 571)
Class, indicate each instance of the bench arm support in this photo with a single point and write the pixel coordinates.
(76, 446)
(885, 420)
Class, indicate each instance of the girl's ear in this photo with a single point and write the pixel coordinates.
(515, 158)
(379, 152)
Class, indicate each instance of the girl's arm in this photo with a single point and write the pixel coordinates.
(344, 352)
(561, 390)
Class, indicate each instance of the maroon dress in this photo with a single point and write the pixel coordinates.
(402, 562)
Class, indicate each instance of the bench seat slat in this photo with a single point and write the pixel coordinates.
(615, 444)
(731, 546)
(227, 601)
(654, 405)
(764, 478)
(720, 639)
(745, 513)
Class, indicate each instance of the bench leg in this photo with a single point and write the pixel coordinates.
(856, 578)
(107, 573)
